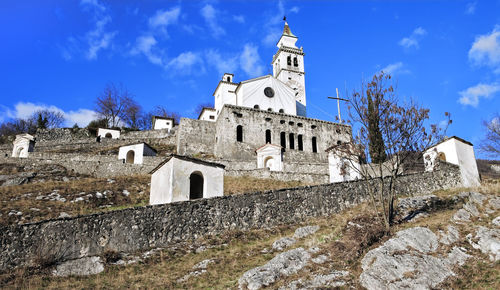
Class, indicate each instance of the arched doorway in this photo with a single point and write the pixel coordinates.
(442, 156)
(19, 152)
(130, 157)
(269, 162)
(196, 185)
(108, 135)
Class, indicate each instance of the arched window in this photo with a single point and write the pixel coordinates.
(291, 141)
(130, 157)
(299, 143)
(268, 136)
(289, 60)
(269, 162)
(229, 79)
(314, 145)
(442, 156)
(196, 185)
(283, 139)
(282, 111)
(108, 135)
(295, 62)
(239, 133)
(256, 107)
(270, 109)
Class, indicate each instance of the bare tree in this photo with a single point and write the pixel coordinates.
(200, 107)
(491, 142)
(163, 112)
(112, 104)
(132, 114)
(404, 135)
(49, 118)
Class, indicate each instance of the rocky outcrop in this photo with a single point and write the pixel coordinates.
(284, 264)
(80, 267)
(409, 260)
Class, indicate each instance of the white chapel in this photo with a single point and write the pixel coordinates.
(282, 92)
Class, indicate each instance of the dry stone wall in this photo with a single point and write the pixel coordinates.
(158, 226)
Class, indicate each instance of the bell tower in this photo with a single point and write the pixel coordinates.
(288, 67)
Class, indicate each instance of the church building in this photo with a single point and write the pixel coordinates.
(270, 109)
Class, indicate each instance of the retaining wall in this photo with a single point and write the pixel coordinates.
(160, 225)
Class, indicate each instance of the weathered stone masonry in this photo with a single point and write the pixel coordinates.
(157, 226)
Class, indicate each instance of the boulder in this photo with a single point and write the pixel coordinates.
(79, 267)
(305, 231)
(284, 264)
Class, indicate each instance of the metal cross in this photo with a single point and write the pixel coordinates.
(338, 103)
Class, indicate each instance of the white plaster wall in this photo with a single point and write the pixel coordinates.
(252, 93)
(171, 183)
(224, 95)
(273, 152)
(23, 144)
(163, 124)
(161, 185)
(115, 134)
(205, 116)
(334, 166)
(457, 153)
(138, 150)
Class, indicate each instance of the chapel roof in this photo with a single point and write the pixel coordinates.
(186, 158)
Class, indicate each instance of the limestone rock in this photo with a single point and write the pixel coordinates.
(320, 259)
(461, 216)
(79, 267)
(496, 221)
(450, 237)
(457, 256)
(305, 231)
(283, 264)
(319, 281)
(488, 241)
(477, 198)
(281, 244)
(204, 264)
(471, 208)
(494, 203)
(409, 207)
(408, 261)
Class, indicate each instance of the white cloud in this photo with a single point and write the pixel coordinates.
(395, 68)
(210, 15)
(96, 39)
(23, 110)
(274, 27)
(470, 8)
(145, 45)
(414, 39)
(186, 62)
(486, 50)
(82, 117)
(472, 95)
(239, 18)
(250, 61)
(222, 64)
(163, 18)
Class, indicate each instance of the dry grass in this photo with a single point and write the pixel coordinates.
(344, 242)
(33, 199)
(244, 251)
(237, 185)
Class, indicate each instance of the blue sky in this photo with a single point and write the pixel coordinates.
(61, 54)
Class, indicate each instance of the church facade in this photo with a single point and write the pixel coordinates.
(270, 109)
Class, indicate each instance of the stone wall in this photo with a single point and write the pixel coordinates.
(62, 134)
(195, 136)
(308, 178)
(255, 123)
(93, 165)
(160, 225)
